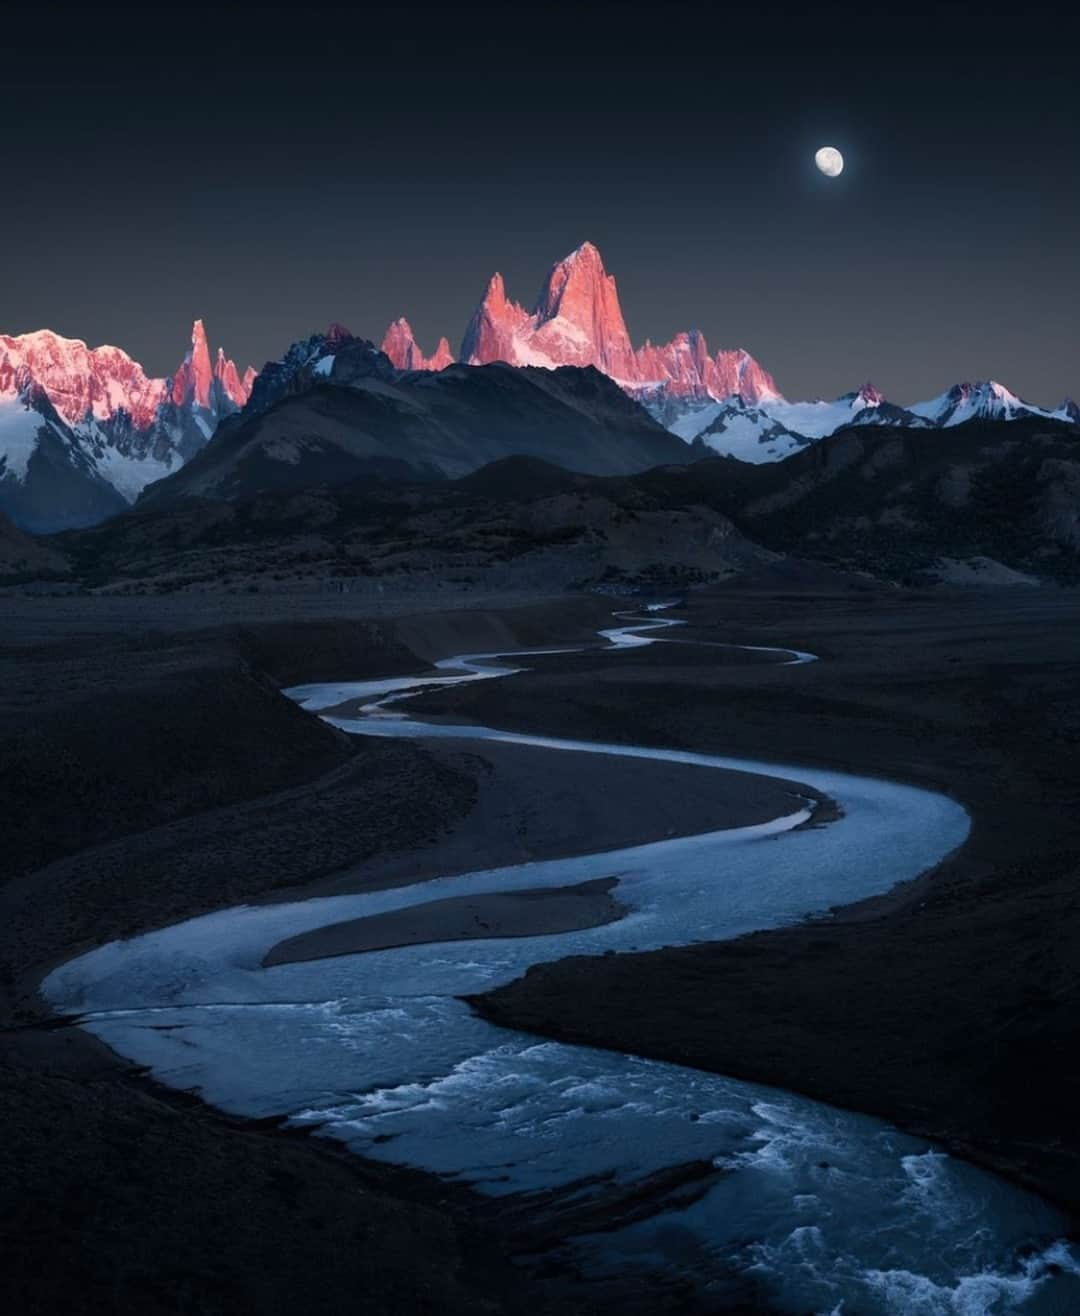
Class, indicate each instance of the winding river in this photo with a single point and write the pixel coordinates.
(825, 1211)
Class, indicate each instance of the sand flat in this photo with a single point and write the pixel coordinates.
(536, 912)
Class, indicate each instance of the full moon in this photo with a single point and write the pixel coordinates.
(829, 161)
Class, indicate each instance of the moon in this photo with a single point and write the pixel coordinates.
(829, 161)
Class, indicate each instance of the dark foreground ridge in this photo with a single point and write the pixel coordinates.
(989, 502)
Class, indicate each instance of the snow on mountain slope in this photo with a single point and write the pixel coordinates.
(47, 480)
(83, 383)
(130, 475)
(775, 428)
(690, 420)
(814, 420)
(749, 433)
(986, 400)
(19, 428)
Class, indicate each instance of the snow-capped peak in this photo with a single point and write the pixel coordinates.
(985, 398)
(84, 384)
(867, 396)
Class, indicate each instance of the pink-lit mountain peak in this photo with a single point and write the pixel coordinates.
(83, 383)
(578, 320)
(400, 345)
(95, 384)
(237, 387)
(198, 382)
(579, 290)
(194, 379)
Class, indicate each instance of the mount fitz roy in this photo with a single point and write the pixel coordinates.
(577, 321)
(83, 430)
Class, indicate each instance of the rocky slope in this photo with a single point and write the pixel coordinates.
(904, 503)
(518, 523)
(337, 409)
(24, 557)
(989, 503)
(48, 480)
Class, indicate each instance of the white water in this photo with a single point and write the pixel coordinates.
(829, 1211)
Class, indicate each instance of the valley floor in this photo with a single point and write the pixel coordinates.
(155, 772)
(949, 1006)
(117, 1195)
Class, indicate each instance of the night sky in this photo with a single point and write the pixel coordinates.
(273, 170)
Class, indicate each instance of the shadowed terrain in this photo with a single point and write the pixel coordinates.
(948, 1007)
(200, 786)
(988, 502)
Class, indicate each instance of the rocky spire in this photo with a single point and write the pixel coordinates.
(194, 379)
(400, 345)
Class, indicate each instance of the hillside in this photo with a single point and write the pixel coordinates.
(991, 502)
(518, 522)
(901, 503)
(354, 415)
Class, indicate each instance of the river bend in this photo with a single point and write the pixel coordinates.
(825, 1210)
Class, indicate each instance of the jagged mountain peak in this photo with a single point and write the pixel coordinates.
(579, 277)
(577, 320)
(400, 345)
(984, 388)
(215, 387)
(587, 252)
(194, 379)
(496, 289)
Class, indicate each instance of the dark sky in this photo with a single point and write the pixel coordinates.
(272, 170)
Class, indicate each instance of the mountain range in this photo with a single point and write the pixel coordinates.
(577, 321)
(728, 400)
(988, 502)
(338, 410)
(84, 431)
